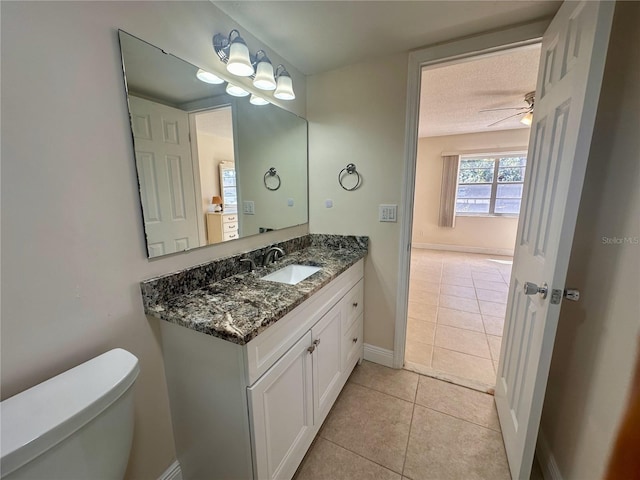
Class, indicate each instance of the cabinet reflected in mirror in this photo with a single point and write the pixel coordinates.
(195, 146)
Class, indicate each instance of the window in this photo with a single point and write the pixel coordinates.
(490, 184)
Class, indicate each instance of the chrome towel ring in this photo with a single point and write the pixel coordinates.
(272, 173)
(350, 169)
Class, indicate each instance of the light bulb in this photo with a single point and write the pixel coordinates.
(239, 62)
(255, 100)
(236, 91)
(208, 77)
(527, 119)
(284, 89)
(264, 76)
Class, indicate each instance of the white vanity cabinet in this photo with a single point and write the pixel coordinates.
(252, 411)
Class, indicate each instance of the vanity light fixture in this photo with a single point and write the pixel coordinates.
(208, 77)
(264, 72)
(234, 52)
(236, 91)
(256, 100)
(284, 88)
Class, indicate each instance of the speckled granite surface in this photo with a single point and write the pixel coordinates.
(219, 300)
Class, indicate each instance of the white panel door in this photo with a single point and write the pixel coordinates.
(327, 362)
(281, 413)
(165, 173)
(569, 79)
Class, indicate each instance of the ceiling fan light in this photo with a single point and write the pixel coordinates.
(527, 119)
(236, 91)
(256, 100)
(208, 77)
(284, 88)
(239, 61)
(264, 76)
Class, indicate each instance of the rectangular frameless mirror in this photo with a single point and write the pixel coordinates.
(211, 167)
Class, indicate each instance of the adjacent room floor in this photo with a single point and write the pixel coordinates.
(396, 424)
(457, 304)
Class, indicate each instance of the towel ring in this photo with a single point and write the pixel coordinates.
(272, 173)
(350, 169)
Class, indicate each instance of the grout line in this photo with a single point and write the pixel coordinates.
(361, 456)
(384, 393)
(413, 410)
(458, 418)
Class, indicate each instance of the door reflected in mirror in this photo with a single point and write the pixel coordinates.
(202, 156)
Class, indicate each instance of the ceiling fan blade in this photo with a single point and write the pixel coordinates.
(505, 118)
(508, 108)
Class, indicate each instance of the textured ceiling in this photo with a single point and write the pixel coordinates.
(318, 36)
(452, 96)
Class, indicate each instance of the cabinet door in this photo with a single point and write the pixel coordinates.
(327, 360)
(281, 413)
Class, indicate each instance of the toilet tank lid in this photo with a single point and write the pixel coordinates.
(39, 418)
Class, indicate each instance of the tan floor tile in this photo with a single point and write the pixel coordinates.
(461, 402)
(425, 276)
(492, 308)
(458, 291)
(396, 382)
(458, 303)
(372, 424)
(463, 365)
(492, 295)
(422, 311)
(418, 352)
(457, 280)
(493, 325)
(442, 447)
(494, 346)
(486, 285)
(421, 285)
(420, 296)
(490, 277)
(464, 341)
(421, 331)
(456, 271)
(456, 318)
(328, 461)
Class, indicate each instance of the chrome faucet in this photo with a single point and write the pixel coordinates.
(272, 254)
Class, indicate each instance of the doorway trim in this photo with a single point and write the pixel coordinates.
(456, 51)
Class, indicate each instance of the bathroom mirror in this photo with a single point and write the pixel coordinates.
(208, 163)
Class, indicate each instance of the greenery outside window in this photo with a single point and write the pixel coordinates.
(490, 184)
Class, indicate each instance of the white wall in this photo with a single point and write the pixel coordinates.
(597, 337)
(357, 115)
(494, 233)
(73, 247)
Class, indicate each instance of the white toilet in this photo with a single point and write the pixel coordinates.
(77, 425)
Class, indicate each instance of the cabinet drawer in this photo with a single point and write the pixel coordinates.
(352, 343)
(230, 227)
(353, 305)
(230, 235)
(230, 218)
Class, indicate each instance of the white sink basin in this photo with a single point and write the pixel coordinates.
(291, 274)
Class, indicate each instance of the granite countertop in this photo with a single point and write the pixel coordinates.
(239, 307)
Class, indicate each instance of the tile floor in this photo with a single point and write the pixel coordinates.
(457, 303)
(396, 424)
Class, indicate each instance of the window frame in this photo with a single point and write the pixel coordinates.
(496, 157)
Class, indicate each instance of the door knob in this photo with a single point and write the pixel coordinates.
(533, 289)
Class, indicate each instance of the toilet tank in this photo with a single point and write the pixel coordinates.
(77, 425)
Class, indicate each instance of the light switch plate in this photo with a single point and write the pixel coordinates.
(388, 213)
(248, 207)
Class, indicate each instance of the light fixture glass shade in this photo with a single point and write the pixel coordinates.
(208, 77)
(264, 76)
(284, 88)
(236, 91)
(255, 100)
(239, 61)
(527, 119)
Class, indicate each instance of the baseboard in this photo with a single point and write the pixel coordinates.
(172, 473)
(547, 462)
(378, 355)
(464, 248)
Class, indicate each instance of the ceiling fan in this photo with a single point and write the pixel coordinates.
(526, 111)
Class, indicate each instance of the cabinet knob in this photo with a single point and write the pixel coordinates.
(311, 349)
(355, 304)
(316, 342)
(355, 340)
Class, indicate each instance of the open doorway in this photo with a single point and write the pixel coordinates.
(471, 158)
